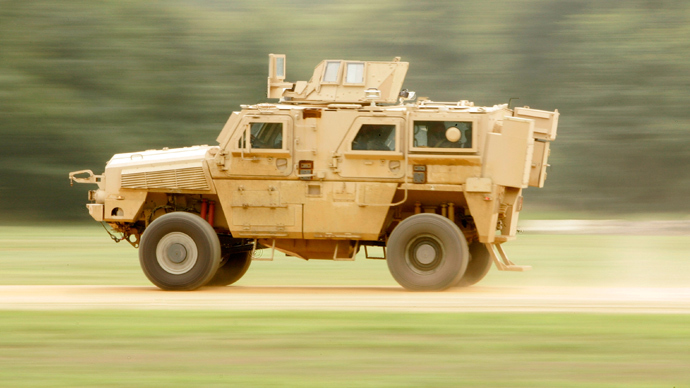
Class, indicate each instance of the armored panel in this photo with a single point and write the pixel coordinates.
(262, 208)
(545, 123)
(348, 210)
(508, 157)
(539, 163)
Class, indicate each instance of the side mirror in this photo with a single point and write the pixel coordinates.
(276, 76)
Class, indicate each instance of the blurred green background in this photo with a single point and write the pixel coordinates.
(80, 81)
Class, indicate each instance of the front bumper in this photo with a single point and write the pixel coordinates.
(96, 210)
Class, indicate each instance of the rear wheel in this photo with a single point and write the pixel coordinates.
(427, 252)
(478, 267)
(232, 267)
(179, 251)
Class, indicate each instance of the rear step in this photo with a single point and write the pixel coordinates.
(501, 260)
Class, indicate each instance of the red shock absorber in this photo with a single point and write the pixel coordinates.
(211, 212)
(204, 208)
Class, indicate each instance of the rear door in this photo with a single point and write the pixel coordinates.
(372, 148)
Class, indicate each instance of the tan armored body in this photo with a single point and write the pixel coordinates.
(342, 162)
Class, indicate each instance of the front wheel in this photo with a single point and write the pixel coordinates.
(427, 252)
(179, 251)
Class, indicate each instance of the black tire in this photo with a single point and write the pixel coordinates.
(427, 252)
(232, 268)
(478, 267)
(179, 251)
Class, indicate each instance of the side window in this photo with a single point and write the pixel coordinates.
(264, 136)
(375, 138)
(443, 134)
(330, 74)
(354, 74)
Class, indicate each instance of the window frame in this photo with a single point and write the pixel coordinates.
(338, 76)
(346, 72)
(356, 126)
(243, 131)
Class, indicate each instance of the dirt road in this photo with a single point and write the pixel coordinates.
(474, 299)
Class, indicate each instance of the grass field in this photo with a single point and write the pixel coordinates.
(269, 349)
(113, 348)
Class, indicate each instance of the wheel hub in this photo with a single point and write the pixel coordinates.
(424, 254)
(176, 253)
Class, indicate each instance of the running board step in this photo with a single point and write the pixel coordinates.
(501, 260)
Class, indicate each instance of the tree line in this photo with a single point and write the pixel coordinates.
(82, 81)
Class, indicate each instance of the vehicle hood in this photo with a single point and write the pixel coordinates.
(160, 170)
(155, 159)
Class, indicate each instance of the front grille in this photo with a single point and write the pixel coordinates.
(191, 178)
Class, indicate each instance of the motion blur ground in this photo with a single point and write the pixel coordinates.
(527, 299)
(82, 256)
(124, 348)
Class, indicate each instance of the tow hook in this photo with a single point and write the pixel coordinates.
(91, 178)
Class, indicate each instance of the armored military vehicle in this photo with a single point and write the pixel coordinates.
(333, 166)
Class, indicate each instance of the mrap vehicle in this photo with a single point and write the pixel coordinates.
(339, 164)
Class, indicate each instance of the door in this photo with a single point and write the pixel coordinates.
(262, 146)
(373, 148)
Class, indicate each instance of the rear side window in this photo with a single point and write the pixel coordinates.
(443, 134)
